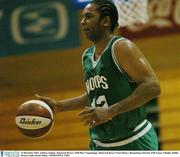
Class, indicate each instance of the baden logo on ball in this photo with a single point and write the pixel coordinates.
(34, 119)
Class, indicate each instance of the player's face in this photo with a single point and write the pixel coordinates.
(91, 23)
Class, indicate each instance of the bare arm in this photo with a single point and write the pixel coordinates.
(137, 67)
(74, 103)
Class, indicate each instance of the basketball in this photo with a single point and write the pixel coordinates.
(34, 119)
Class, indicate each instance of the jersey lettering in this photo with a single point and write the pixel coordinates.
(96, 82)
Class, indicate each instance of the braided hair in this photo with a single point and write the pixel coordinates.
(107, 8)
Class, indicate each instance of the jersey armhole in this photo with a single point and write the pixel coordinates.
(83, 56)
(117, 63)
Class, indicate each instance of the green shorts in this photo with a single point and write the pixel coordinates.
(148, 141)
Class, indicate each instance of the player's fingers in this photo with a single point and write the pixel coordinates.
(41, 97)
(89, 107)
(93, 123)
(86, 116)
(88, 122)
(86, 111)
(46, 100)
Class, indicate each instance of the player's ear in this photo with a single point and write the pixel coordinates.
(106, 21)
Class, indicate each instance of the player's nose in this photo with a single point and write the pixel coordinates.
(83, 22)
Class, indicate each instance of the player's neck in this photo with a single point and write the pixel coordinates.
(101, 44)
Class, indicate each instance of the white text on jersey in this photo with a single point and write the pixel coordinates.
(96, 82)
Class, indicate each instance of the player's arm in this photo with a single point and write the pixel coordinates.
(66, 104)
(137, 67)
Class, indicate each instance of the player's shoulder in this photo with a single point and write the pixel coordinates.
(122, 41)
(123, 44)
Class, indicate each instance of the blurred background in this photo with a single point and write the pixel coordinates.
(40, 52)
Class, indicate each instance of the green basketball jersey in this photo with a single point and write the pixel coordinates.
(107, 84)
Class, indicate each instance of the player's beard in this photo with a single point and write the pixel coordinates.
(94, 35)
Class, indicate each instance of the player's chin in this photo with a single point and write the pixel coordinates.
(86, 35)
(89, 37)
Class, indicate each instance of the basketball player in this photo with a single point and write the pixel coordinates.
(119, 82)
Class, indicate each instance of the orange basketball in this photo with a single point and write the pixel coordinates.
(34, 118)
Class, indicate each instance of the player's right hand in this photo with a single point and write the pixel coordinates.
(51, 102)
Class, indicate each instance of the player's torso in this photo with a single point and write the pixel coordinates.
(106, 85)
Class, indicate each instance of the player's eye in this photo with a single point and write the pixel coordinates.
(87, 16)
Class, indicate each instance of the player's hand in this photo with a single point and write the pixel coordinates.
(51, 102)
(93, 116)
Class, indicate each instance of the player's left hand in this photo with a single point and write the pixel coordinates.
(93, 116)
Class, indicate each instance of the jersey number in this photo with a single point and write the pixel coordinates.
(100, 102)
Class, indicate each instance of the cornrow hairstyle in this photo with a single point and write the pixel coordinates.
(107, 8)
